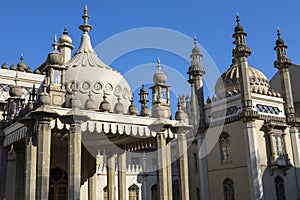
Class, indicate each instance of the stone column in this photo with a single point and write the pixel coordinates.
(43, 159)
(183, 167)
(74, 160)
(111, 183)
(203, 169)
(162, 166)
(10, 184)
(30, 181)
(122, 176)
(169, 170)
(75, 118)
(254, 171)
(30, 158)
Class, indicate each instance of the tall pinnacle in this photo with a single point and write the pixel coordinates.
(85, 27)
(54, 45)
(158, 64)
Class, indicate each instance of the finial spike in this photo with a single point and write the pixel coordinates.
(22, 57)
(54, 45)
(65, 31)
(238, 18)
(278, 33)
(158, 64)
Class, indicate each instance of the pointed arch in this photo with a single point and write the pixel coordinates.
(279, 188)
(133, 192)
(228, 189)
(225, 149)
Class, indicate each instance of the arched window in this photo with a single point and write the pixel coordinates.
(154, 192)
(228, 189)
(58, 184)
(133, 192)
(225, 151)
(105, 195)
(279, 188)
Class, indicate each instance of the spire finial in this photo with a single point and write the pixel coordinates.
(54, 45)
(278, 33)
(65, 31)
(158, 64)
(22, 57)
(195, 40)
(238, 18)
(85, 27)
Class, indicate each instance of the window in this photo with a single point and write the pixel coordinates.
(225, 151)
(196, 161)
(58, 188)
(154, 192)
(57, 77)
(133, 192)
(279, 188)
(228, 189)
(279, 147)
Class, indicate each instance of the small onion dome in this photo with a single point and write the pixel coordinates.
(196, 49)
(65, 38)
(16, 91)
(104, 106)
(21, 65)
(55, 58)
(29, 70)
(37, 71)
(44, 98)
(13, 67)
(132, 109)
(180, 115)
(145, 111)
(159, 77)
(119, 108)
(4, 66)
(90, 103)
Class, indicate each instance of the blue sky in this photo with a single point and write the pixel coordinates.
(28, 27)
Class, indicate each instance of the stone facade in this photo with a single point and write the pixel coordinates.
(71, 130)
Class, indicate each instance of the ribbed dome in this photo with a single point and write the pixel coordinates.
(89, 74)
(228, 84)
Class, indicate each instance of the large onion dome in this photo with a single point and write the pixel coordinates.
(229, 83)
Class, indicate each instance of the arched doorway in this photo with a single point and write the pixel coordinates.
(58, 184)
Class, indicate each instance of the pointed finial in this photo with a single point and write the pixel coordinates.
(22, 57)
(85, 27)
(179, 104)
(195, 40)
(238, 18)
(158, 64)
(85, 15)
(278, 33)
(65, 31)
(54, 45)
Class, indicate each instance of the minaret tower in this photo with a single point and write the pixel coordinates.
(282, 64)
(196, 72)
(65, 45)
(160, 92)
(240, 54)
